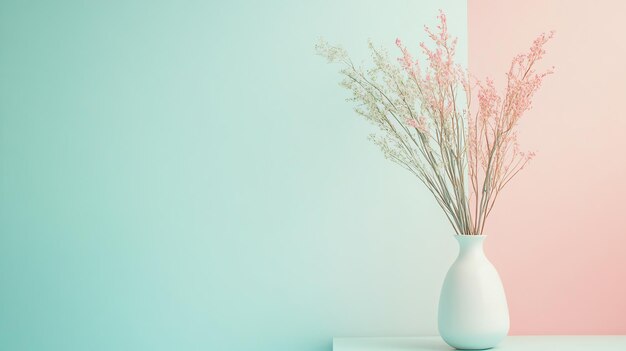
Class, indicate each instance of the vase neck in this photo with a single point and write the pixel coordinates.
(470, 245)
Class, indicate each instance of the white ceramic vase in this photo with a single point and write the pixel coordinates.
(473, 313)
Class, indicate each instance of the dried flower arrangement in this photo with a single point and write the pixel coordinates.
(465, 155)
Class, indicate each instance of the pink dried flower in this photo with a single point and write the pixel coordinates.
(419, 124)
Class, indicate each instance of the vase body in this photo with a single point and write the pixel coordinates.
(473, 312)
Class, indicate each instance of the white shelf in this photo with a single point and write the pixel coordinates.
(511, 343)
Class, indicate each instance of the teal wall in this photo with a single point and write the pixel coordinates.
(187, 176)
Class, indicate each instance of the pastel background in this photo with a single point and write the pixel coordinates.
(557, 234)
(186, 175)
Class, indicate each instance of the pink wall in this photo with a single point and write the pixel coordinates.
(558, 234)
